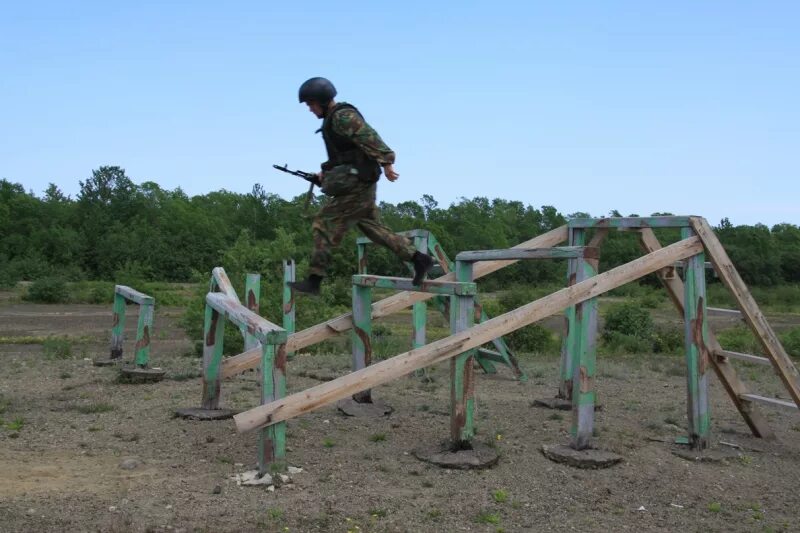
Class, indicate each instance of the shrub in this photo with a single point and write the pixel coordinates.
(534, 338)
(628, 319)
(50, 290)
(791, 341)
(54, 348)
(668, 340)
(617, 343)
(739, 339)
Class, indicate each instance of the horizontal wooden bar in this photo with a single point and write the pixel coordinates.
(491, 355)
(775, 402)
(451, 288)
(385, 307)
(558, 252)
(133, 295)
(630, 222)
(721, 311)
(744, 357)
(410, 234)
(264, 330)
(443, 349)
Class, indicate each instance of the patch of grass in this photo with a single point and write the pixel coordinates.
(93, 408)
(485, 517)
(556, 416)
(671, 420)
(185, 375)
(378, 513)
(224, 460)
(93, 429)
(275, 513)
(434, 515)
(715, 507)
(427, 484)
(65, 375)
(424, 408)
(57, 348)
(500, 496)
(328, 443)
(745, 460)
(377, 437)
(16, 424)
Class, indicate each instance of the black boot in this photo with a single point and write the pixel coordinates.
(423, 263)
(309, 285)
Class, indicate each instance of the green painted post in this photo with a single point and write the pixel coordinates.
(289, 323)
(571, 340)
(272, 439)
(584, 361)
(362, 257)
(362, 335)
(252, 295)
(697, 356)
(144, 330)
(213, 337)
(118, 327)
(462, 373)
(419, 310)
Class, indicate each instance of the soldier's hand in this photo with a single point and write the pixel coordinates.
(319, 177)
(391, 175)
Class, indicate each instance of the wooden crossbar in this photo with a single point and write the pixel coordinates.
(402, 364)
(556, 252)
(264, 330)
(630, 222)
(220, 278)
(133, 295)
(387, 306)
(744, 357)
(434, 286)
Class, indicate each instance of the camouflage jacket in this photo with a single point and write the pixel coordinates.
(349, 123)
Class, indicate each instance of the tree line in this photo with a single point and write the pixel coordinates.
(114, 226)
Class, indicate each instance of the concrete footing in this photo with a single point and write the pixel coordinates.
(443, 455)
(589, 458)
(198, 413)
(374, 409)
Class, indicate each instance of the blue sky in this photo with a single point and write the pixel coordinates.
(684, 106)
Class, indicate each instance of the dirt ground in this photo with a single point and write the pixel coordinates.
(68, 426)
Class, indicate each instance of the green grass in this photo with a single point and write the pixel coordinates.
(16, 424)
(715, 507)
(500, 496)
(377, 437)
(486, 517)
(328, 443)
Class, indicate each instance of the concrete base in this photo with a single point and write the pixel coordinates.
(559, 404)
(107, 361)
(198, 413)
(443, 455)
(376, 409)
(589, 458)
(135, 374)
(706, 456)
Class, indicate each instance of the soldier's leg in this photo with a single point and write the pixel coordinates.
(328, 229)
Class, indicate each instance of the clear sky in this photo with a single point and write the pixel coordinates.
(684, 106)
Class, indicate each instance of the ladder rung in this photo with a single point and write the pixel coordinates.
(722, 311)
(491, 355)
(744, 357)
(770, 401)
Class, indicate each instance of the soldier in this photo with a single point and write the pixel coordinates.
(349, 177)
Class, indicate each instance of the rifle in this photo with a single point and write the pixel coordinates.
(313, 179)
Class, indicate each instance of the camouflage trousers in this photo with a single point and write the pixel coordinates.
(340, 214)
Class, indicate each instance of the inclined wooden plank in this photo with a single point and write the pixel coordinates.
(264, 330)
(220, 278)
(387, 306)
(400, 365)
(558, 252)
(744, 357)
(775, 402)
(773, 348)
(724, 370)
(133, 295)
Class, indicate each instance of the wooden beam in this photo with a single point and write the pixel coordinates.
(133, 295)
(434, 286)
(556, 252)
(630, 222)
(757, 359)
(443, 349)
(752, 314)
(722, 367)
(221, 282)
(310, 336)
(264, 330)
(775, 402)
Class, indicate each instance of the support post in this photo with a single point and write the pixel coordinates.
(252, 295)
(272, 439)
(213, 336)
(144, 329)
(583, 360)
(462, 373)
(362, 335)
(419, 310)
(118, 328)
(289, 323)
(697, 355)
(570, 342)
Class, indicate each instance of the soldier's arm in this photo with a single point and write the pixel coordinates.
(349, 123)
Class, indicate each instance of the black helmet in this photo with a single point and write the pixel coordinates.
(318, 90)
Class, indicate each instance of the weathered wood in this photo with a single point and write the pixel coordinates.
(462, 373)
(757, 359)
(570, 342)
(252, 295)
(222, 283)
(419, 311)
(310, 336)
(133, 295)
(698, 357)
(362, 335)
(600, 235)
(388, 370)
(775, 402)
(213, 338)
(264, 330)
(722, 367)
(720, 311)
(583, 364)
(272, 439)
(784, 366)
(118, 327)
(559, 252)
(630, 222)
(289, 321)
(404, 284)
(144, 330)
